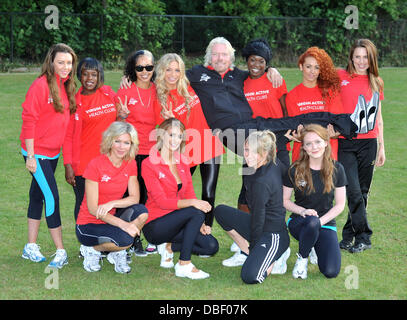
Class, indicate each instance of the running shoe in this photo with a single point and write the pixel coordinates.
(91, 258)
(32, 252)
(301, 267)
(236, 260)
(185, 271)
(118, 259)
(60, 259)
(280, 265)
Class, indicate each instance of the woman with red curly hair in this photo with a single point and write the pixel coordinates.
(318, 92)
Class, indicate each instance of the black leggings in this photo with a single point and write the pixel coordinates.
(209, 176)
(142, 185)
(79, 191)
(269, 247)
(44, 190)
(181, 228)
(309, 233)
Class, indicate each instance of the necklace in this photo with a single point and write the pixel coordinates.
(149, 98)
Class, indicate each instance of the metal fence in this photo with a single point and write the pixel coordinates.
(24, 38)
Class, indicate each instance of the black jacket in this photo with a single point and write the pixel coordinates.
(264, 195)
(223, 101)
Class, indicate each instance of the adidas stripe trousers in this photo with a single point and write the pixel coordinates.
(268, 248)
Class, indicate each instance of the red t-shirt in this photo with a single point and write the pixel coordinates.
(140, 104)
(302, 100)
(201, 145)
(351, 88)
(98, 112)
(112, 183)
(263, 98)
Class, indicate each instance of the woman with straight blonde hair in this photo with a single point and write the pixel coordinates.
(264, 227)
(360, 156)
(317, 181)
(108, 220)
(175, 214)
(176, 98)
(46, 111)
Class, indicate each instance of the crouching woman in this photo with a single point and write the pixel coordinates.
(106, 220)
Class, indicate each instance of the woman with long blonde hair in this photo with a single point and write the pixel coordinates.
(317, 181)
(175, 214)
(176, 98)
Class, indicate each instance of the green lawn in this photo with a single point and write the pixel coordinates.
(380, 272)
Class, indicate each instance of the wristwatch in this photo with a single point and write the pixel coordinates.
(30, 157)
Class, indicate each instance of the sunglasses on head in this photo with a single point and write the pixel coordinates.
(148, 68)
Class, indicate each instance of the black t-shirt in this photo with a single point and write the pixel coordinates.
(319, 201)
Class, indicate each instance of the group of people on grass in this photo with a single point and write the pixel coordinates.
(130, 155)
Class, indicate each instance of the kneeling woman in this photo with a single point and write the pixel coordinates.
(106, 220)
(317, 180)
(265, 227)
(176, 216)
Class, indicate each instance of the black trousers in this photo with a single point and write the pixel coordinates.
(182, 228)
(268, 249)
(358, 159)
(209, 177)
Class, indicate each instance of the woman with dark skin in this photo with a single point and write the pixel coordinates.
(96, 110)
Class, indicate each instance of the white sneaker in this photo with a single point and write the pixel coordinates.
(91, 258)
(119, 259)
(185, 271)
(236, 260)
(61, 259)
(313, 258)
(300, 268)
(32, 252)
(280, 265)
(234, 247)
(166, 257)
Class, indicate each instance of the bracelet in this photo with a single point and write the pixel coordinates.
(29, 157)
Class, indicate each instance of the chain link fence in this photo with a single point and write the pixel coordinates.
(25, 38)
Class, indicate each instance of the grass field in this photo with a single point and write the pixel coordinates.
(379, 273)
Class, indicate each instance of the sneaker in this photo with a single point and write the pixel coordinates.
(234, 247)
(60, 259)
(300, 268)
(359, 115)
(151, 249)
(345, 245)
(371, 111)
(185, 271)
(166, 257)
(236, 260)
(32, 252)
(313, 258)
(118, 259)
(280, 265)
(357, 248)
(138, 248)
(91, 258)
